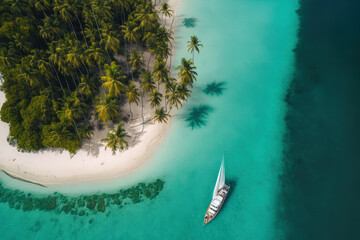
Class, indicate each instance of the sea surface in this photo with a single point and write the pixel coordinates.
(247, 65)
(321, 181)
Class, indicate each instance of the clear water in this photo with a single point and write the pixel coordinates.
(248, 45)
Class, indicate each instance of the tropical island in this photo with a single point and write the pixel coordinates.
(85, 74)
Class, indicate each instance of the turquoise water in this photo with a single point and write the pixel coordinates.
(248, 46)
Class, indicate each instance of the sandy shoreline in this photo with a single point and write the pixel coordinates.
(92, 162)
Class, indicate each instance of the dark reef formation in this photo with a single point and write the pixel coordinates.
(81, 205)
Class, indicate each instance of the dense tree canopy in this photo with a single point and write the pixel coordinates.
(61, 62)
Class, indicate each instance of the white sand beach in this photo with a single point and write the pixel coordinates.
(92, 162)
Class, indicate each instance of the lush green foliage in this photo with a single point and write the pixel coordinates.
(57, 57)
(116, 139)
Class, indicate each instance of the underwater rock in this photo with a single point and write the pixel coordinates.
(80, 202)
(66, 208)
(28, 204)
(45, 204)
(101, 206)
(81, 205)
(91, 204)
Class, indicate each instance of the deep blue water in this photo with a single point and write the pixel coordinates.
(321, 184)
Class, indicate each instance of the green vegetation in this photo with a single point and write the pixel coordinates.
(116, 139)
(193, 45)
(161, 115)
(64, 60)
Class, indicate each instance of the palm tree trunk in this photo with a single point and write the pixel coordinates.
(126, 56)
(57, 76)
(172, 22)
(97, 25)
(142, 110)
(82, 30)
(43, 11)
(77, 131)
(149, 62)
(73, 29)
(132, 75)
(131, 116)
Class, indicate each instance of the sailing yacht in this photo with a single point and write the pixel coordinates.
(220, 193)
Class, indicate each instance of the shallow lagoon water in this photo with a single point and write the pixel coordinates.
(248, 46)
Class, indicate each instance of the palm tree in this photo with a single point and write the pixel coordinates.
(107, 109)
(170, 86)
(193, 45)
(86, 131)
(7, 58)
(72, 110)
(102, 9)
(147, 19)
(147, 84)
(124, 5)
(55, 56)
(160, 72)
(166, 11)
(133, 96)
(112, 79)
(45, 68)
(161, 115)
(136, 60)
(183, 92)
(163, 51)
(111, 141)
(130, 32)
(28, 75)
(95, 55)
(73, 57)
(18, 6)
(174, 98)
(51, 28)
(86, 86)
(155, 99)
(65, 13)
(110, 40)
(116, 139)
(187, 74)
(90, 33)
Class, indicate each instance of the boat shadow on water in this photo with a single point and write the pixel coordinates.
(232, 182)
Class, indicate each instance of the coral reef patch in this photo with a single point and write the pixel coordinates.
(80, 205)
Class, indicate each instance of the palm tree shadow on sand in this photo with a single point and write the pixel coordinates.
(214, 88)
(197, 117)
(189, 22)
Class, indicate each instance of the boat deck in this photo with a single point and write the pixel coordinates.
(212, 210)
